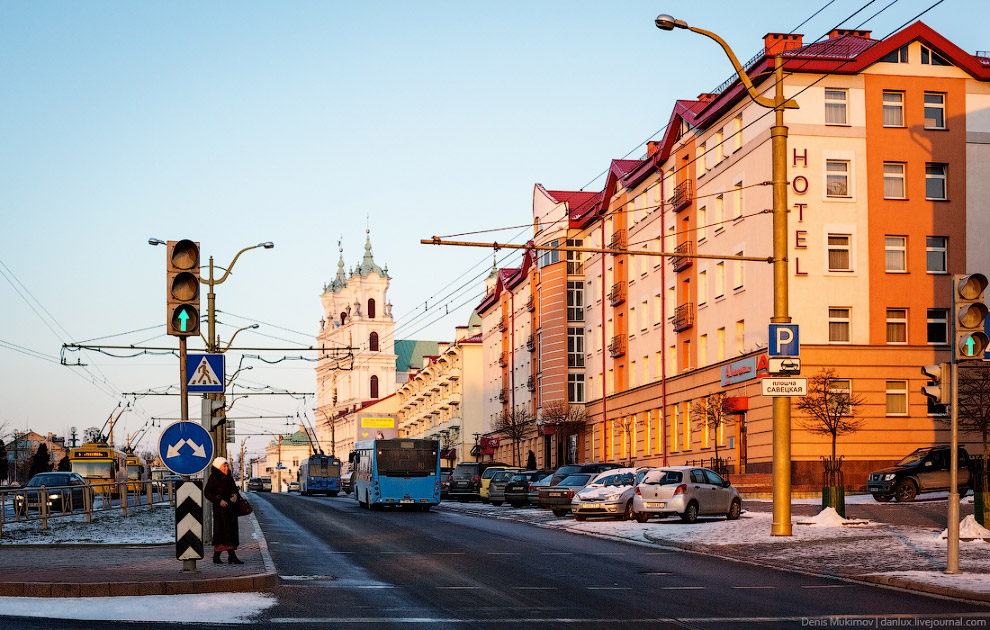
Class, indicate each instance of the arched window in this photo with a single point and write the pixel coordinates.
(371, 308)
(373, 342)
(343, 318)
(374, 387)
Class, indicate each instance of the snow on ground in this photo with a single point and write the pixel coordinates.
(108, 528)
(205, 608)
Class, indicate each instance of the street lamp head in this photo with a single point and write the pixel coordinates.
(267, 244)
(155, 241)
(254, 326)
(666, 22)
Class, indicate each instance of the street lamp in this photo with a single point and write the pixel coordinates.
(778, 143)
(231, 342)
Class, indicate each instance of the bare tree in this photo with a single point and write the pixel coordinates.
(627, 424)
(567, 420)
(513, 425)
(974, 408)
(712, 412)
(92, 435)
(830, 406)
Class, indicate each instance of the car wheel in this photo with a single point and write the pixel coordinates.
(882, 498)
(580, 517)
(485, 500)
(734, 510)
(627, 513)
(517, 505)
(690, 514)
(560, 512)
(905, 491)
(641, 517)
(497, 503)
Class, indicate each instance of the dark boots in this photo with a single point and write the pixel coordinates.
(232, 558)
(216, 558)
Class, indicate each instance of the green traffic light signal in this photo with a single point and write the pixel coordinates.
(182, 297)
(971, 314)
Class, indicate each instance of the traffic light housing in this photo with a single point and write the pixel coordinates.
(182, 288)
(940, 391)
(971, 313)
(215, 412)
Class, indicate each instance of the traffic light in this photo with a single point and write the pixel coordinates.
(214, 411)
(182, 278)
(971, 313)
(940, 391)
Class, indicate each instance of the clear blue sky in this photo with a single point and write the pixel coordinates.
(305, 123)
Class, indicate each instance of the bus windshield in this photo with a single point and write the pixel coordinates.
(407, 458)
(134, 471)
(93, 470)
(324, 467)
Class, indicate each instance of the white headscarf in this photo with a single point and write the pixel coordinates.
(219, 462)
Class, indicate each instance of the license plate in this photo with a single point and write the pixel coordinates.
(656, 505)
(406, 501)
(555, 494)
(590, 506)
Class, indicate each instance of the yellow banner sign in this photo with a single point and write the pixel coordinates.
(378, 423)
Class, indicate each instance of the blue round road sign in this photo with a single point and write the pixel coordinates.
(185, 447)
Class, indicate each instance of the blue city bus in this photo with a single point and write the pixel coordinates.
(319, 473)
(397, 471)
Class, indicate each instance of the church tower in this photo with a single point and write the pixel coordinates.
(356, 315)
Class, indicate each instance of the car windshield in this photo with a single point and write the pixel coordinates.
(667, 477)
(465, 472)
(621, 479)
(48, 480)
(563, 471)
(575, 480)
(913, 458)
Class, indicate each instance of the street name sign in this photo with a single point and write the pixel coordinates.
(784, 386)
(186, 448)
(205, 373)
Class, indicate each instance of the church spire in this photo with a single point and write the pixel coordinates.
(368, 263)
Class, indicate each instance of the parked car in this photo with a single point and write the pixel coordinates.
(347, 482)
(266, 484)
(686, 491)
(558, 498)
(573, 469)
(533, 496)
(609, 494)
(65, 492)
(486, 479)
(924, 470)
(465, 481)
(496, 487)
(292, 486)
(254, 484)
(519, 485)
(445, 474)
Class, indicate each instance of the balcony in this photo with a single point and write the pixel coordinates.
(531, 343)
(503, 395)
(502, 324)
(682, 197)
(454, 373)
(617, 347)
(681, 263)
(531, 303)
(683, 317)
(455, 399)
(618, 240)
(617, 295)
(531, 383)
(503, 359)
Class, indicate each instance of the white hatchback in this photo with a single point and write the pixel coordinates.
(610, 493)
(686, 491)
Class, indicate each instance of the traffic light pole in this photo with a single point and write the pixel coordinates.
(952, 540)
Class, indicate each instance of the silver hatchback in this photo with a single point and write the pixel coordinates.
(686, 491)
(609, 494)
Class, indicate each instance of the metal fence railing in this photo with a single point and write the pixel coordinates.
(18, 505)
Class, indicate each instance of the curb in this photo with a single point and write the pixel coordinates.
(233, 584)
(944, 591)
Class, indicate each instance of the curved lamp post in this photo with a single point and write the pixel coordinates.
(778, 142)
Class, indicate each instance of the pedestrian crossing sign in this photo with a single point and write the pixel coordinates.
(204, 373)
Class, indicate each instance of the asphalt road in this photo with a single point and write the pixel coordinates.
(340, 565)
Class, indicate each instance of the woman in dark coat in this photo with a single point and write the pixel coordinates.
(222, 492)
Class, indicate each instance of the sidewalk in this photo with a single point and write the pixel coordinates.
(129, 569)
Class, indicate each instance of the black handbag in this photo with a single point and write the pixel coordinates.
(243, 507)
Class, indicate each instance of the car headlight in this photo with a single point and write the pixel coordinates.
(614, 497)
(889, 477)
(54, 496)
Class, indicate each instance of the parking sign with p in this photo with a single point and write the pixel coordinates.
(784, 341)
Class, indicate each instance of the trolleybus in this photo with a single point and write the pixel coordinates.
(99, 463)
(319, 473)
(397, 471)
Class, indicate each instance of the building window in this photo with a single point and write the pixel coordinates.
(550, 256)
(934, 111)
(737, 127)
(835, 106)
(938, 326)
(702, 351)
(841, 388)
(839, 252)
(740, 337)
(702, 288)
(896, 325)
(720, 344)
(575, 388)
(644, 315)
(896, 398)
(374, 387)
(837, 178)
(702, 231)
(701, 166)
(737, 200)
(839, 325)
(719, 150)
(371, 308)
(738, 273)
(931, 58)
(575, 346)
(719, 280)
(893, 180)
(575, 301)
(574, 264)
(935, 181)
(373, 342)
(893, 109)
(936, 254)
(895, 254)
(897, 56)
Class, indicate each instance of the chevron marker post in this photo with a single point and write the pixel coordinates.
(189, 522)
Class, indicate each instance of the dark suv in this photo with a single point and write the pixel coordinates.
(573, 469)
(924, 470)
(465, 481)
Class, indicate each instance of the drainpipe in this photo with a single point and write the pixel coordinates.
(604, 346)
(663, 325)
(512, 367)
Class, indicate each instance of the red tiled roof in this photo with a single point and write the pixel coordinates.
(842, 47)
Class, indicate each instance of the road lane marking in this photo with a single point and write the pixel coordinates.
(681, 588)
(459, 588)
(534, 588)
(825, 586)
(753, 587)
(609, 588)
(503, 553)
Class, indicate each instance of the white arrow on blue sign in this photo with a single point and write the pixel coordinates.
(185, 447)
(205, 373)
